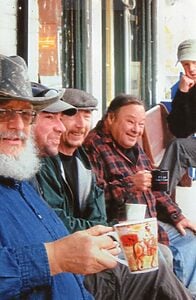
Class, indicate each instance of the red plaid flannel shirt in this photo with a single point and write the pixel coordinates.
(114, 169)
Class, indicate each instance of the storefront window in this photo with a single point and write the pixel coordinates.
(50, 41)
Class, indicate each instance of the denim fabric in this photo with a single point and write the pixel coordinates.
(26, 222)
(184, 253)
(179, 155)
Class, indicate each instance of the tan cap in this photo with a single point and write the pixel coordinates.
(60, 106)
(187, 50)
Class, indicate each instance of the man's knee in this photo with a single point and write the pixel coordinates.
(166, 254)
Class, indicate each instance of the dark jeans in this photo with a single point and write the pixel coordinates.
(179, 155)
(120, 284)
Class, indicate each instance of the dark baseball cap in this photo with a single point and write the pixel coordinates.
(56, 107)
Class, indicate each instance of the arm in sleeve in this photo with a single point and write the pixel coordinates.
(167, 209)
(178, 119)
(54, 192)
(74, 224)
(104, 178)
(22, 269)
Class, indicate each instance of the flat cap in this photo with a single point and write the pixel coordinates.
(80, 99)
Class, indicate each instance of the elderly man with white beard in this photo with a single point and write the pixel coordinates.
(38, 257)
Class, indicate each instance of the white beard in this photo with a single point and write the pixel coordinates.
(22, 167)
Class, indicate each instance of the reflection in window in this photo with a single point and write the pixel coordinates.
(50, 42)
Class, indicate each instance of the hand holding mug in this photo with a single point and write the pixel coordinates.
(142, 180)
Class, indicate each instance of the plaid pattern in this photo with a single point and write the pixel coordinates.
(114, 170)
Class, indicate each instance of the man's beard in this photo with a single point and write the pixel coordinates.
(22, 167)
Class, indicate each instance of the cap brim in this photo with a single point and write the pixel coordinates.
(38, 103)
(185, 57)
(86, 108)
(61, 106)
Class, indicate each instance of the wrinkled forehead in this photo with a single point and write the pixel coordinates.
(85, 110)
(188, 62)
(15, 104)
(131, 109)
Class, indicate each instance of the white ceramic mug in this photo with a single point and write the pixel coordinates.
(135, 211)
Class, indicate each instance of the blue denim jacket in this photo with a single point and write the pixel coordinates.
(26, 222)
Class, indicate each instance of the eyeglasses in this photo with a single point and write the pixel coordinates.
(28, 116)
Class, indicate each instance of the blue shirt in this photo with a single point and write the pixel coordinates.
(26, 223)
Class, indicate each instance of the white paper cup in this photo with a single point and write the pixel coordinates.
(135, 211)
(139, 242)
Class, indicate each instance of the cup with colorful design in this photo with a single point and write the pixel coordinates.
(139, 242)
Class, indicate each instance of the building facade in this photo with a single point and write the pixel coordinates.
(105, 47)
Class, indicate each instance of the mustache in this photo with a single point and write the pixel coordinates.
(79, 131)
(15, 134)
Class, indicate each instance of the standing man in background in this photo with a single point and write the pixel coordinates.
(181, 152)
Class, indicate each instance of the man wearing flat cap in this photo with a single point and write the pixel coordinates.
(83, 202)
(80, 99)
(181, 153)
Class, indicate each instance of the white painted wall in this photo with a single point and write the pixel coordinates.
(33, 47)
(8, 36)
(8, 27)
(94, 53)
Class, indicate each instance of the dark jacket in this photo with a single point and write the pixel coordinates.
(57, 192)
(182, 118)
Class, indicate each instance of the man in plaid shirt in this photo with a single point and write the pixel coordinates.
(123, 170)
